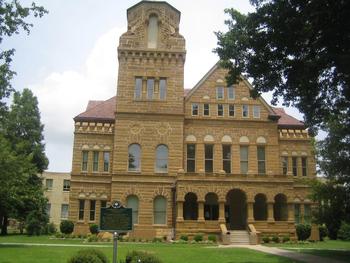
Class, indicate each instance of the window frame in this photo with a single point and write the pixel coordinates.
(225, 160)
(84, 161)
(304, 166)
(243, 161)
(220, 110)
(157, 169)
(221, 89)
(92, 210)
(229, 110)
(204, 109)
(138, 88)
(232, 88)
(208, 160)
(285, 165)
(243, 106)
(259, 111)
(95, 161)
(163, 89)
(191, 159)
(65, 187)
(164, 213)
(81, 211)
(150, 88)
(106, 153)
(138, 159)
(49, 187)
(192, 109)
(261, 161)
(64, 205)
(135, 213)
(295, 165)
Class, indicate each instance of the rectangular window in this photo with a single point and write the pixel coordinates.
(261, 160)
(307, 214)
(231, 93)
(256, 111)
(64, 211)
(297, 213)
(194, 109)
(219, 93)
(106, 156)
(66, 185)
(231, 110)
(284, 165)
(226, 158)
(208, 148)
(92, 210)
(95, 162)
(84, 164)
(244, 159)
(220, 110)
(304, 166)
(162, 89)
(48, 209)
(103, 203)
(138, 88)
(245, 111)
(295, 166)
(206, 110)
(191, 158)
(150, 88)
(49, 184)
(81, 209)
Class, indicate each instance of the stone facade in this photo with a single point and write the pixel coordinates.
(246, 161)
(57, 188)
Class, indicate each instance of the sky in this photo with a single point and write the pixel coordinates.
(70, 57)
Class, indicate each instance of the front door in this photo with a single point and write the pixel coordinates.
(236, 210)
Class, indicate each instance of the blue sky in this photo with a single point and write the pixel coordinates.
(71, 57)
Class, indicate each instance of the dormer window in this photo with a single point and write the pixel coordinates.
(152, 31)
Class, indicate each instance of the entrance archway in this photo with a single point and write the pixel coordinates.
(236, 209)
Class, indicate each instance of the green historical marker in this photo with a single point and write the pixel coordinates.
(116, 218)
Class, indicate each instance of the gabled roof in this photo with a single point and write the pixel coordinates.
(103, 111)
(155, 2)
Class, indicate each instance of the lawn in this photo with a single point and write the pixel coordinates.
(169, 253)
(335, 249)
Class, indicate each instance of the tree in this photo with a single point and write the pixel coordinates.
(12, 20)
(300, 50)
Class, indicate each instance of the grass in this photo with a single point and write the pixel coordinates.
(169, 253)
(334, 249)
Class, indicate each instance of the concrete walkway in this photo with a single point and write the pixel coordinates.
(286, 253)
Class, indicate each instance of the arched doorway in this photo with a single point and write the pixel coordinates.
(236, 209)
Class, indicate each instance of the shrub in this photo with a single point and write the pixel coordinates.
(67, 227)
(92, 238)
(93, 229)
(51, 228)
(198, 238)
(36, 223)
(212, 238)
(140, 256)
(266, 239)
(88, 255)
(344, 231)
(285, 239)
(323, 232)
(275, 239)
(157, 240)
(184, 238)
(303, 231)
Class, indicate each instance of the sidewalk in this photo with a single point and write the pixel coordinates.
(286, 253)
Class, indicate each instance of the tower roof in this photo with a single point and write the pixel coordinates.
(152, 2)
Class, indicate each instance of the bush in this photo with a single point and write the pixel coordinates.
(303, 231)
(51, 228)
(198, 238)
(266, 239)
(88, 256)
(184, 238)
(140, 256)
(157, 240)
(212, 238)
(285, 239)
(344, 231)
(92, 238)
(67, 227)
(323, 232)
(93, 228)
(275, 239)
(36, 223)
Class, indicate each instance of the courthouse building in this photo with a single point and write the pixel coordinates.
(186, 161)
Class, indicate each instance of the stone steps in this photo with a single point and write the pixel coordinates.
(239, 237)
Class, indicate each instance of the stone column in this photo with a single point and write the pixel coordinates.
(180, 211)
(250, 212)
(270, 217)
(200, 211)
(222, 212)
(290, 212)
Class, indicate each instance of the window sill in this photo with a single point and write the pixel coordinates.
(160, 225)
(134, 172)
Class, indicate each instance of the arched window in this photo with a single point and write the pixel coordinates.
(280, 209)
(133, 202)
(260, 207)
(162, 159)
(211, 207)
(190, 207)
(134, 157)
(152, 31)
(159, 210)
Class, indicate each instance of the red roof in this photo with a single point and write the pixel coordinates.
(104, 111)
(287, 121)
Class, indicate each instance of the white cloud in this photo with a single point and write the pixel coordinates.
(63, 95)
